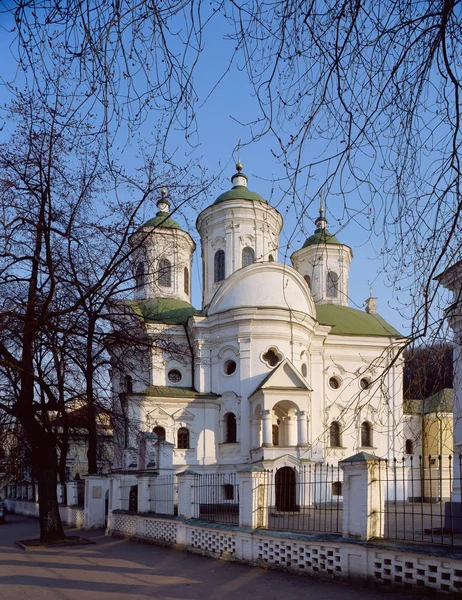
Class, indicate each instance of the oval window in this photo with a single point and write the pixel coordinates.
(229, 367)
(334, 383)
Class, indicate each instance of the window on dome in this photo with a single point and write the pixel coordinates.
(332, 284)
(335, 435)
(165, 273)
(186, 280)
(231, 428)
(183, 438)
(140, 275)
(366, 435)
(248, 256)
(160, 432)
(219, 266)
(271, 258)
(128, 384)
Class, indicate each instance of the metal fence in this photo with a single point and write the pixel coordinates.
(309, 499)
(216, 496)
(163, 495)
(418, 505)
(81, 493)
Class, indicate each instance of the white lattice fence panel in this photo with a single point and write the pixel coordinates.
(161, 530)
(306, 557)
(394, 570)
(126, 524)
(216, 542)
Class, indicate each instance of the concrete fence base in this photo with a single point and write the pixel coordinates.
(70, 515)
(393, 565)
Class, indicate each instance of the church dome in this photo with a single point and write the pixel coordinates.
(279, 287)
(163, 218)
(239, 191)
(321, 235)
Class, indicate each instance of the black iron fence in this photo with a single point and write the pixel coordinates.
(308, 499)
(163, 495)
(216, 497)
(81, 493)
(419, 500)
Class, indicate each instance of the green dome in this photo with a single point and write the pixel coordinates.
(321, 236)
(162, 219)
(239, 192)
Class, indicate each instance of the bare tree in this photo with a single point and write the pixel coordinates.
(374, 87)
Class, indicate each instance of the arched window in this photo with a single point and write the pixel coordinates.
(270, 258)
(332, 284)
(219, 265)
(275, 432)
(248, 256)
(186, 280)
(409, 447)
(231, 430)
(366, 435)
(334, 435)
(337, 488)
(165, 272)
(160, 432)
(183, 438)
(307, 278)
(140, 275)
(128, 384)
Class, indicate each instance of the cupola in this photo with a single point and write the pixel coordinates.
(238, 229)
(325, 264)
(162, 257)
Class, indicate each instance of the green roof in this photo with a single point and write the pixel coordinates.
(350, 321)
(441, 402)
(162, 219)
(321, 236)
(161, 391)
(163, 310)
(239, 192)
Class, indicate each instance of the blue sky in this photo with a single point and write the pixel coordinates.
(224, 119)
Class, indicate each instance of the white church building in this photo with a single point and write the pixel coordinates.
(274, 370)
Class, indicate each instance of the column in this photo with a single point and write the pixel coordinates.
(253, 495)
(188, 505)
(145, 481)
(267, 422)
(290, 432)
(363, 499)
(302, 428)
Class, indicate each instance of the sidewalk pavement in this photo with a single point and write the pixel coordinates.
(115, 568)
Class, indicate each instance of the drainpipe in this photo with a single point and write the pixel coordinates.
(192, 357)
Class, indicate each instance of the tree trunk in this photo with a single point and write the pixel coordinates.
(51, 528)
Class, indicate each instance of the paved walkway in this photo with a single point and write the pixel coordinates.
(114, 568)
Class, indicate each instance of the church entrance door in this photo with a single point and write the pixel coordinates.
(285, 489)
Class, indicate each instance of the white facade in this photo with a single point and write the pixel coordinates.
(275, 370)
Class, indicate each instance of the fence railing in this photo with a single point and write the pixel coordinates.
(418, 505)
(81, 493)
(309, 499)
(163, 495)
(216, 497)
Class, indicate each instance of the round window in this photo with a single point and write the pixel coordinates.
(174, 376)
(334, 383)
(304, 370)
(364, 383)
(229, 367)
